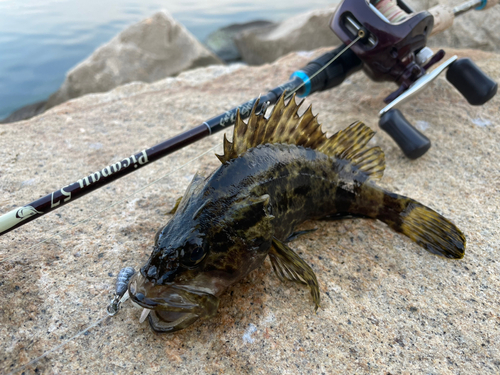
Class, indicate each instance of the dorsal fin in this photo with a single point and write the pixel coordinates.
(286, 126)
(351, 144)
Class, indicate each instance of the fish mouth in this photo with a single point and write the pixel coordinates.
(171, 307)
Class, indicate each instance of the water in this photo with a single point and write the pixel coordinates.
(40, 40)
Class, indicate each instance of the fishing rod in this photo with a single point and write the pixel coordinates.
(385, 38)
(321, 71)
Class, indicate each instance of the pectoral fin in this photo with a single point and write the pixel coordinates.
(177, 202)
(288, 265)
(299, 233)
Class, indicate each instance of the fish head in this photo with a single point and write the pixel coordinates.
(172, 284)
(201, 252)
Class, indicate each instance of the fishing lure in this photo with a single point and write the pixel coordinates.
(276, 174)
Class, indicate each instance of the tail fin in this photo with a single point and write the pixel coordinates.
(422, 225)
(432, 231)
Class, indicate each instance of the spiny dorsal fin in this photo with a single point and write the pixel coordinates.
(286, 126)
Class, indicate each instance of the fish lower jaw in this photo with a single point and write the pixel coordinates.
(165, 321)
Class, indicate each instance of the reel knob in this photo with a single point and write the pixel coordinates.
(413, 143)
(473, 84)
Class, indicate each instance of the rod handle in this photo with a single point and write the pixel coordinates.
(331, 76)
(443, 18)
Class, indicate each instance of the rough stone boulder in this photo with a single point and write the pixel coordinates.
(221, 41)
(304, 32)
(387, 305)
(152, 49)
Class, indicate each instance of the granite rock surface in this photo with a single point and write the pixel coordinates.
(26, 112)
(387, 305)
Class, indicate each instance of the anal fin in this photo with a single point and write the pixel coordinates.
(288, 265)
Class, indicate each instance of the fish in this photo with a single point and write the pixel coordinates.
(277, 173)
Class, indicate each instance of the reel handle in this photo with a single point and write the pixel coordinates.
(413, 143)
(472, 82)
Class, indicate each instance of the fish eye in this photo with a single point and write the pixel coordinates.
(197, 254)
(193, 256)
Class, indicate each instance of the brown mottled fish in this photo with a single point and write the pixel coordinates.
(276, 174)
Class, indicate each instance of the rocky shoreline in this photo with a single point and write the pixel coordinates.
(160, 47)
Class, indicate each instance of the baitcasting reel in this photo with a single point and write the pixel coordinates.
(388, 40)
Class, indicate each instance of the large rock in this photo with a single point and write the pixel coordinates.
(152, 49)
(303, 32)
(387, 306)
(221, 41)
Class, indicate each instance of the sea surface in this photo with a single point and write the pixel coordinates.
(40, 40)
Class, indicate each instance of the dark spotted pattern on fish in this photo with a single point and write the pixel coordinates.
(276, 174)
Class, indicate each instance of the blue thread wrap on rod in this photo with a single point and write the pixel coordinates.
(305, 79)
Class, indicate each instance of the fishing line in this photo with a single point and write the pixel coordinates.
(97, 322)
(33, 361)
(107, 208)
(391, 10)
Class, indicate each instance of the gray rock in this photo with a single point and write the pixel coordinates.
(304, 32)
(387, 305)
(152, 49)
(221, 42)
(25, 112)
